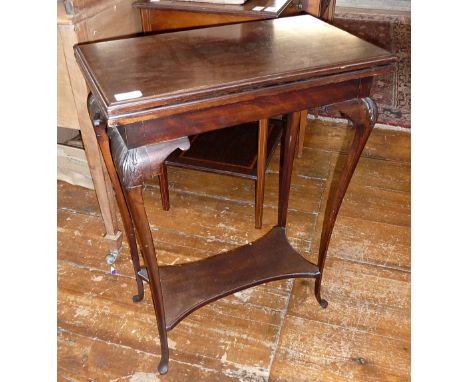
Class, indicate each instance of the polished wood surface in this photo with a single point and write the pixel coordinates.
(220, 60)
(273, 332)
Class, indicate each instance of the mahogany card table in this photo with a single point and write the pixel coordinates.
(149, 93)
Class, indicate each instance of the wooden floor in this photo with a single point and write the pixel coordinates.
(274, 332)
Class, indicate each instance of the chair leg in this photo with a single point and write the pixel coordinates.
(164, 187)
(302, 128)
(261, 168)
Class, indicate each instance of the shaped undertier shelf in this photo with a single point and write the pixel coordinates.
(187, 287)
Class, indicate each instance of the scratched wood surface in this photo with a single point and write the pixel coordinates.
(273, 332)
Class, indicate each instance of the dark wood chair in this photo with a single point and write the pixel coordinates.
(242, 151)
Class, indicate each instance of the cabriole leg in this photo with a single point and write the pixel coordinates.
(130, 168)
(103, 140)
(362, 113)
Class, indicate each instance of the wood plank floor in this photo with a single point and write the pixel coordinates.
(273, 332)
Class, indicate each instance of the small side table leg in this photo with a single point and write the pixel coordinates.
(126, 218)
(261, 166)
(362, 113)
(302, 129)
(137, 208)
(129, 168)
(103, 140)
(288, 148)
(164, 188)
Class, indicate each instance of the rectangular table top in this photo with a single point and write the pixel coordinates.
(160, 70)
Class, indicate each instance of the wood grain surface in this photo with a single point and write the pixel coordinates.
(273, 332)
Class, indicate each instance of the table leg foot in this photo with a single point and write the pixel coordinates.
(322, 302)
(140, 290)
(163, 366)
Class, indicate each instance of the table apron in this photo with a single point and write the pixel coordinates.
(220, 116)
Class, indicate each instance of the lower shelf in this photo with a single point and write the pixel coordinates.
(187, 287)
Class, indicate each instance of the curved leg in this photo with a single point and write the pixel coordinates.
(133, 167)
(362, 113)
(128, 170)
(164, 187)
(260, 181)
(137, 208)
(103, 140)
